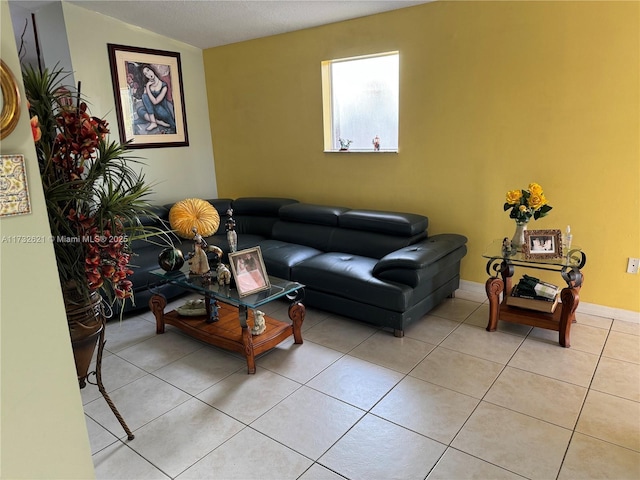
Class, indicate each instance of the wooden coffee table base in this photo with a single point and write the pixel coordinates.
(228, 332)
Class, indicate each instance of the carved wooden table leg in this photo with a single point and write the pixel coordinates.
(247, 339)
(248, 350)
(157, 303)
(570, 301)
(494, 287)
(297, 312)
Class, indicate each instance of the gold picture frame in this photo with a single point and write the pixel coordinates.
(249, 271)
(542, 244)
(10, 101)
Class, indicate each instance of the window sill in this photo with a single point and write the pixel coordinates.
(351, 150)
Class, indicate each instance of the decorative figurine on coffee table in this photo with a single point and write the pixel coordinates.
(376, 143)
(259, 324)
(232, 235)
(198, 261)
(217, 256)
(224, 274)
(192, 308)
(214, 309)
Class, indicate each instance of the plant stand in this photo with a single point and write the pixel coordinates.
(103, 391)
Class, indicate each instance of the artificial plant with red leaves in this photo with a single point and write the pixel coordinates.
(93, 194)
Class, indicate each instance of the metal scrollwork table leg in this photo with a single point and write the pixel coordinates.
(103, 391)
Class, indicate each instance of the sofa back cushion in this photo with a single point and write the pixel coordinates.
(161, 223)
(392, 223)
(308, 224)
(161, 212)
(261, 206)
(314, 214)
(367, 233)
(316, 236)
(256, 215)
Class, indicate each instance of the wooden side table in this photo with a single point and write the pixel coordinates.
(501, 268)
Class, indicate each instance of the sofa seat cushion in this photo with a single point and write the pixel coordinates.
(350, 276)
(279, 257)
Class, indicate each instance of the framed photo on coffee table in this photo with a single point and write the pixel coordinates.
(249, 271)
(542, 244)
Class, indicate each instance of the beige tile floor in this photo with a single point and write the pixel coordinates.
(448, 401)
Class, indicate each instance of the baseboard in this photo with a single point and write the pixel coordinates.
(583, 307)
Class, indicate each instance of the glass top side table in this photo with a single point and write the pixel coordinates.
(225, 322)
(501, 268)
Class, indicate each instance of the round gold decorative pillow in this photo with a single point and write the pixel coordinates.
(193, 212)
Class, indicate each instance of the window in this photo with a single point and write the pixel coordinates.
(360, 102)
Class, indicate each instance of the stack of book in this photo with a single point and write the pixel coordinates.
(533, 294)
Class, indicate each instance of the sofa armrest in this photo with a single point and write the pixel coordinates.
(403, 264)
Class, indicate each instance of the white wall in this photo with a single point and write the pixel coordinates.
(52, 39)
(179, 172)
(24, 33)
(43, 430)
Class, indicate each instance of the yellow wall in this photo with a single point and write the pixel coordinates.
(43, 430)
(494, 95)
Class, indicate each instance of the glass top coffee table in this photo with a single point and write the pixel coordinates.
(228, 318)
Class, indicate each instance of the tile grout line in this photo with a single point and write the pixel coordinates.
(584, 401)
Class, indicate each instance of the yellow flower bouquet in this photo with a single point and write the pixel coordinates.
(525, 204)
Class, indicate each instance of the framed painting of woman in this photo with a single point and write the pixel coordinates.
(149, 96)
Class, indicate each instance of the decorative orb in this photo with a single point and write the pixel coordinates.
(171, 259)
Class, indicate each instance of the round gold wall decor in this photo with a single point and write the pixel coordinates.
(10, 101)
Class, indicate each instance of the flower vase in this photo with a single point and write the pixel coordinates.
(518, 237)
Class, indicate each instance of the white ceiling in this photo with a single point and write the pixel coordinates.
(211, 23)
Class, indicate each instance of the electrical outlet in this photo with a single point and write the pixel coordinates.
(632, 266)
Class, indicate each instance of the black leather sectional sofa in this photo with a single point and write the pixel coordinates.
(375, 266)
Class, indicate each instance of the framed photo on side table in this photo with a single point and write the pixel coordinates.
(249, 271)
(149, 96)
(542, 244)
